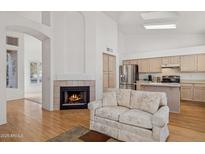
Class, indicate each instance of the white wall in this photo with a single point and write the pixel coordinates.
(121, 46)
(86, 36)
(106, 37)
(69, 38)
(11, 21)
(3, 118)
(17, 93)
(136, 47)
(32, 53)
(156, 42)
(31, 15)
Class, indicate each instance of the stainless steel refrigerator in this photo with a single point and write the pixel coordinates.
(128, 76)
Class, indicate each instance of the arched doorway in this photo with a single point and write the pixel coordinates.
(43, 32)
(46, 66)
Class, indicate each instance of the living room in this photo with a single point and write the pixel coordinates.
(102, 76)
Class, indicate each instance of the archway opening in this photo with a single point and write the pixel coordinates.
(46, 60)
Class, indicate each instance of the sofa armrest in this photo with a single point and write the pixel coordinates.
(161, 117)
(95, 104)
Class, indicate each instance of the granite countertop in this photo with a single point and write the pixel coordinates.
(159, 84)
(193, 81)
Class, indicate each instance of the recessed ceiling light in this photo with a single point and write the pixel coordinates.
(160, 26)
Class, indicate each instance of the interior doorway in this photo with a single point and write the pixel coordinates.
(32, 69)
(23, 67)
(39, 71)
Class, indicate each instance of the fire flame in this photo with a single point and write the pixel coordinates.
(74, 98)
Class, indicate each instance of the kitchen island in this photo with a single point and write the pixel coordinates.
(171, 89)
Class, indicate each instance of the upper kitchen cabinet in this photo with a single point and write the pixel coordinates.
(201, 63)
(125, 61)
(143, 65)
(133, 61)
(155, 65)
(189, 63)
(173, 60)
(165, 60)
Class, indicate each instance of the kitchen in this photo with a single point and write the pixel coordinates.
(181, 77)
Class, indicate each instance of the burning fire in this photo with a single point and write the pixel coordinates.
(74, 98)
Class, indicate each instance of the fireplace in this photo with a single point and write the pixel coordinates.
(74, 97)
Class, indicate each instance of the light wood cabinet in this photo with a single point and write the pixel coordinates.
(186, 92)
(111, 63)
(109, 71)
(165, 60)
(199, 92)
(112, 80)
(105, 80)
(193, 92)
(105, 62)
(201, 63)
(173, 60)
(189, 63)
(143, 65)
(155, 65)
(126, 62)
(133, 61)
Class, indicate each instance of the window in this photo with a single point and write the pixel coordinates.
(35, 72)
(12, 41)
(11, 71)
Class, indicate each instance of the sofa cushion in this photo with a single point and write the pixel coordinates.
(145, 101)
(136, 118)
(123, 97)
(111, 112)
(109, 99)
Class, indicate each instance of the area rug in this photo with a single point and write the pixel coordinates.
(81, 134)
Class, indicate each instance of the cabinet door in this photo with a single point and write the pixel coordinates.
(105, 81)
(186, 92)
(174, 60)
(189, 63)
(155, 65)
(112, 80)
(199, 92)
(165, 60)
(201, 63)
(105, 62)
(112, 62)
(143, 65)
(134, 61)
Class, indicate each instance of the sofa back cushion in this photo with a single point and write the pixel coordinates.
(123, 97)
(145, 101)
(109, 99)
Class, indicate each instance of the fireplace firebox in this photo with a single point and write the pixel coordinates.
(74, 97)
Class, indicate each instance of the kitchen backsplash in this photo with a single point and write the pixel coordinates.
(174, 71)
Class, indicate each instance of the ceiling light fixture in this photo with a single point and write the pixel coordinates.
(160, 26)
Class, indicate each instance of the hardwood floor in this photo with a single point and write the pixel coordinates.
(189, 124)
(27, 119)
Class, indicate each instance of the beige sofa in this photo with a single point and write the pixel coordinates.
(130, 115)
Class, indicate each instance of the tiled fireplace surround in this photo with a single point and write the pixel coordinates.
(62, 83)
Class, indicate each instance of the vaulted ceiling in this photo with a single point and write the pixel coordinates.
(188, 22)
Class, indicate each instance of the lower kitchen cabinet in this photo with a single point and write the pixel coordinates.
(186, 91)
(199, 92)
(193, 92)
